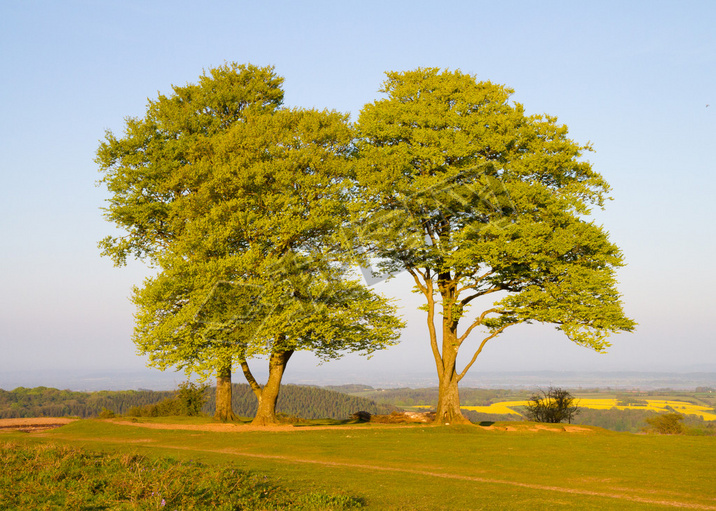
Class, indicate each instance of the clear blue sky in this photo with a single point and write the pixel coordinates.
(634, 78)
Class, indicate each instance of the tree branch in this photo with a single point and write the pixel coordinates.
(470, 298)
(431, 328)
(477, 281)
(476, 323)
(479, 350)
(250, 378)
(415, 272)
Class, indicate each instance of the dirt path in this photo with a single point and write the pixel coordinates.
(39, 423)
(243, 428)
(34, 423)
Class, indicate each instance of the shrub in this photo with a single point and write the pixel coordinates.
(554, 406)
(191, 398)
(106, 414)
(49, 476)
(666, 424)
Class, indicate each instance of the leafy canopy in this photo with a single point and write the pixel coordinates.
(151, 171)
(239, 204)
(476, 198)
(259, 269)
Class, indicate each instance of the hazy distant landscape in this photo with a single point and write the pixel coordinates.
(156, 380)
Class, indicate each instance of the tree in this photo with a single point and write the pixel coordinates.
(191, 398)
(484, 206)
(255, 266)
(554, 406)
(150, 171)
(666, 424)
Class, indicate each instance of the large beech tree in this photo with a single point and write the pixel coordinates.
(151, 170)
(260, 270)
(486, 208)
(237, 204)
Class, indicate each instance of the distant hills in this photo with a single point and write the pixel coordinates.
(334, 379)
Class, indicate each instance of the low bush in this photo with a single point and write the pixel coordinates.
(49, 476)
(666, 424)
(553, 406)
(189, 400)
(106, 414)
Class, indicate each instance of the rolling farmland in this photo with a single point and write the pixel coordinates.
(656, 405)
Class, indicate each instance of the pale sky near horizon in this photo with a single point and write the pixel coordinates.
(634, 78)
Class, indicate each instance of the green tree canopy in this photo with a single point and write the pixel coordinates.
(484, 206)
(151, 170)
(242, 221)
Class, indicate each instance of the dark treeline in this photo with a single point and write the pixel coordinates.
(303, 402)
(429, 396)
(50, 402)
(634, 421)
(614, 419)
(308, 403)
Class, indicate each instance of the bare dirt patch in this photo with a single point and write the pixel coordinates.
(244, 428)
(217, 427)
(290, 428)
(34, 423)
(552, 428)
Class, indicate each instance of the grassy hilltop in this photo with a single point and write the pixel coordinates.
(507, 466)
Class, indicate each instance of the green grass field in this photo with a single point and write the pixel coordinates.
(428, 467)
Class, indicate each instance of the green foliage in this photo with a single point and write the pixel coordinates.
(553, 406)
(168, 407)
(191, 397)
(106, 414)
(666, 424)
(473, 197)
(151, 170)
(240, 212)
(48, 476)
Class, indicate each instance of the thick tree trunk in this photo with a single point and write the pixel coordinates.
(266, 413)
(224, 410)
(448, 410)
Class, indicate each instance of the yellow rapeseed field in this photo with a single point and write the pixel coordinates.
(657, 405)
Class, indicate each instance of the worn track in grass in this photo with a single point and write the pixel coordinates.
(620, 494)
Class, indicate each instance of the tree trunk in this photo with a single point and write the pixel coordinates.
(448, 411)
(224, 410)
(266, 413)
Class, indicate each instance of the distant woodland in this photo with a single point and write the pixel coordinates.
(337, 402)
(294, 400)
